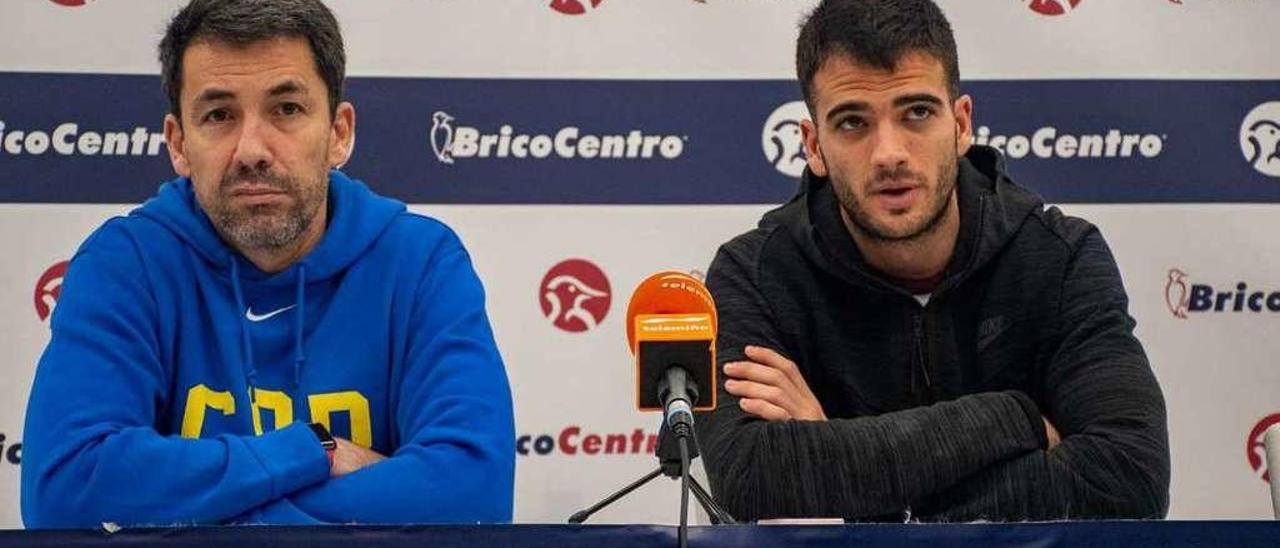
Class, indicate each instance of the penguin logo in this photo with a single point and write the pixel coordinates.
(575, 295)
(1175, 293)
(782, 140)
(1256, 448)
(48, 289)
(442, 136)
(1053, 7)
(574, 7)
(1260, 138)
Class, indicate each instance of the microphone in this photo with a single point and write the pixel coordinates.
(678, 394)
(671, 330)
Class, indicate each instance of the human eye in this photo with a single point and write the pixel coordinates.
(290, 108)
(216, 116)
(919, 112)
(851, 123)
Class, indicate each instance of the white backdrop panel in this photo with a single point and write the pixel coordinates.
(681, 39)
(1217, 368)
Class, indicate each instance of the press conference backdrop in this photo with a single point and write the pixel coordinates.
(605, 139)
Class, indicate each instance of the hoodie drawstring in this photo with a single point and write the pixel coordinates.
(299, 314)
(250, 372)
(250, 369)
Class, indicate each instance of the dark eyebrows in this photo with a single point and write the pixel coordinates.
(847, 106)
(898, 102)
(218, 94)
(287, 87)
(917, 98)
(214, 94)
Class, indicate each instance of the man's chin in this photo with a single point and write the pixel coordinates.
(900, 229)
(258, 231)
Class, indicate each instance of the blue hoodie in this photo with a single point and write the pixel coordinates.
(141, 411)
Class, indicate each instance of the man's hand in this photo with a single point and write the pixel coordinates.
(349, 457)
(1052, 434)
(770, 387)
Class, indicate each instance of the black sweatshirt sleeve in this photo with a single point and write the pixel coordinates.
(1103, 398)
(980, 456)
(851, 468)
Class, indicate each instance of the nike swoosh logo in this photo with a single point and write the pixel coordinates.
(249, 315)
(989, 330)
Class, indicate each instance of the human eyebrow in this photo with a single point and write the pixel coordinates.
(287, 87)
(847, 107)
(917, 98)
(213, 95)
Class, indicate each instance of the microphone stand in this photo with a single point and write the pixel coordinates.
(672, 465)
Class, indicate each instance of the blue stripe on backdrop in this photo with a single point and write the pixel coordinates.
(95, 139)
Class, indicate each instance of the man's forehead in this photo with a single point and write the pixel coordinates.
(265, 65)
(842, 72)
(842, 80)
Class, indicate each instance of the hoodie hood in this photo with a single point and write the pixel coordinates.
(991, 205)
(357, 217)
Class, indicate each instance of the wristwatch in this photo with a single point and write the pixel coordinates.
(326, 440)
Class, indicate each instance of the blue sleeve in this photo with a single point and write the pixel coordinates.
(456, 460)
(92, 453)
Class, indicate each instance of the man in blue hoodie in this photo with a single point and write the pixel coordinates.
(267, 340)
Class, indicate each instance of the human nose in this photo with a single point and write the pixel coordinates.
(889, 148)
(252, 151)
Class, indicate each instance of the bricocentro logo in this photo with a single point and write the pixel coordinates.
(571, 440)
(69, 139)
(12, 451)
(1184, 297)
(453, 142)
(1048, 142)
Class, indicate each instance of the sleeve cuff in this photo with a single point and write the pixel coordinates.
(1034, 419)
(291, 456)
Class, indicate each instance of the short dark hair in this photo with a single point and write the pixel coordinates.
(243, 22)
(876, 33)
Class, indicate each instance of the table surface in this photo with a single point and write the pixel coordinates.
(1121, 534)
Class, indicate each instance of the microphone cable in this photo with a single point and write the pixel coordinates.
(682, 429)
(683, 531)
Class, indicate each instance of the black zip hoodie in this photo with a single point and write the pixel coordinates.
(936, 410)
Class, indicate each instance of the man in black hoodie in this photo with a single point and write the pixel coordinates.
(913, 336)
